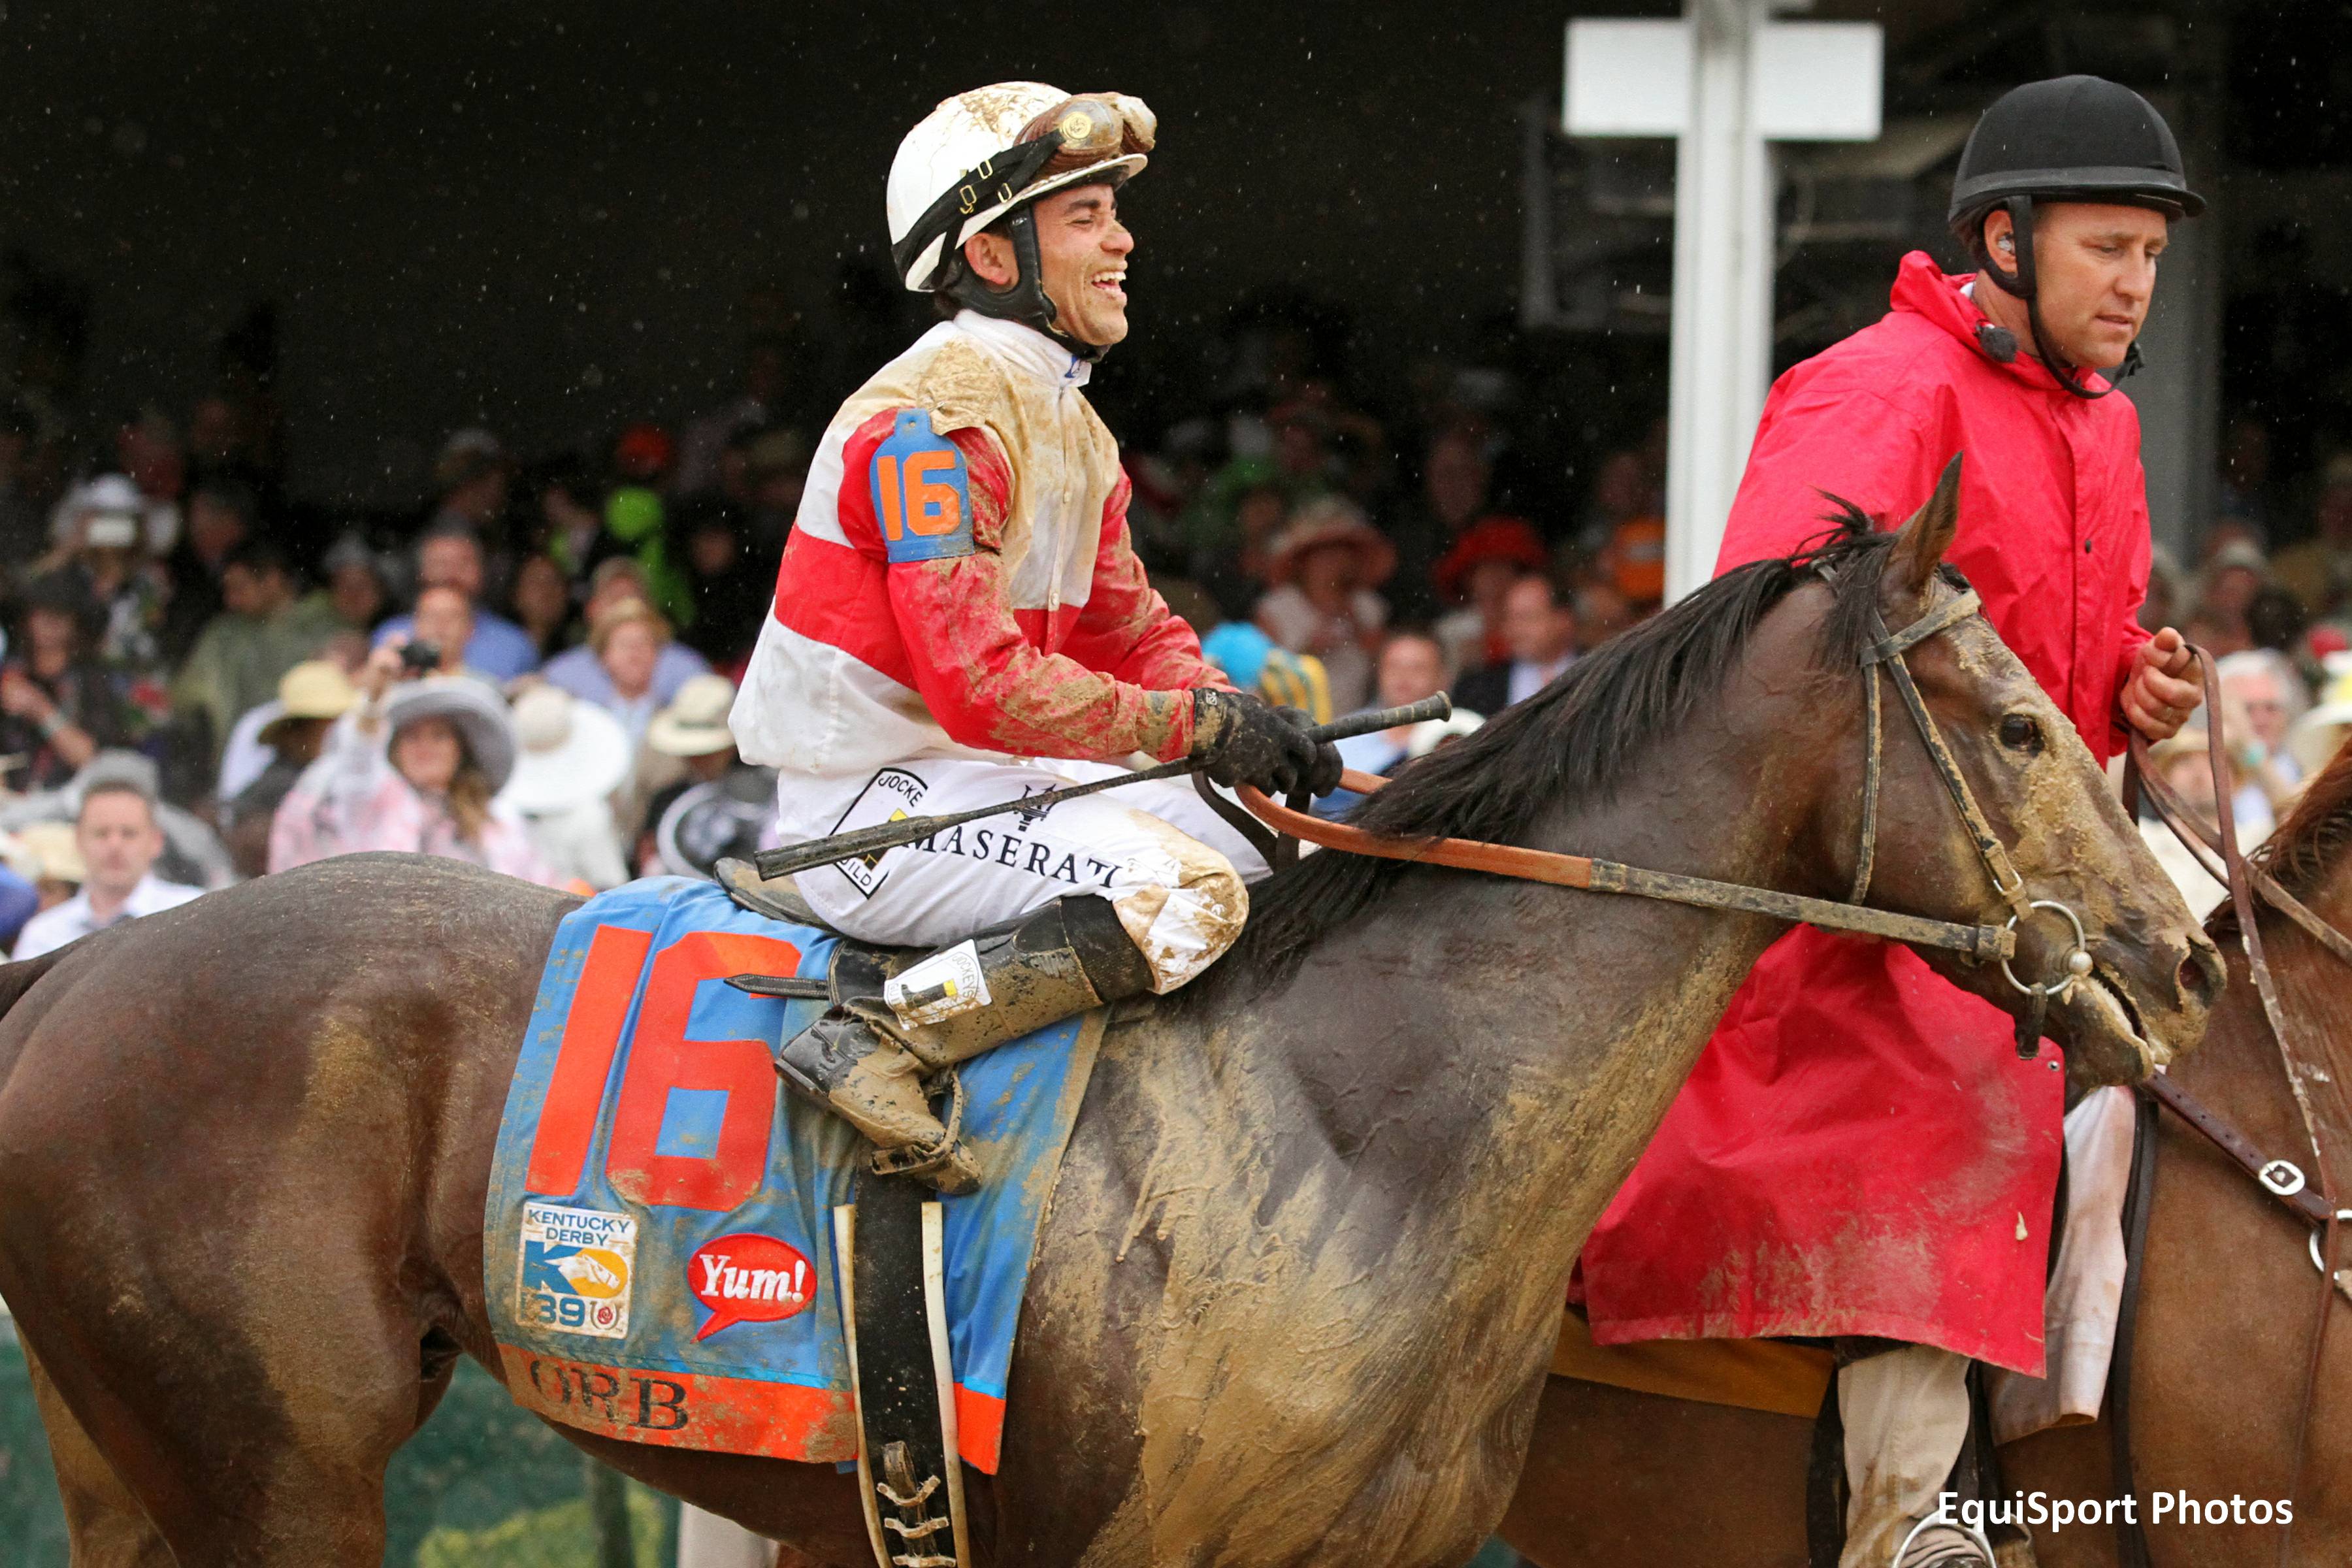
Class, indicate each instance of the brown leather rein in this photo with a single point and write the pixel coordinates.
(1976, 943)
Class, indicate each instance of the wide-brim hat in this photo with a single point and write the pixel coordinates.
(53, 851)
(314, 688)
(568, 751)
(479, 712)
(695, 723)
(1328, 520)
(1510, 538)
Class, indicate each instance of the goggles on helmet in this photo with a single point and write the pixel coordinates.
(1075, 134)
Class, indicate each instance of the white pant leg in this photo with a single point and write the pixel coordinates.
(1907, 1416)
(1166, 862)
(706, 1541)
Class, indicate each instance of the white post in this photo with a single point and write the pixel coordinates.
(1722, 345)
(1728, 81)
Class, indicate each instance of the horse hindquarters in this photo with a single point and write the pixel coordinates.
(213, 1169)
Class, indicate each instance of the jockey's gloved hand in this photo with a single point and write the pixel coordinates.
(1238, 739)
(1324, 777)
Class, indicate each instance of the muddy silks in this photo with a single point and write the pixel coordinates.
(978, 438)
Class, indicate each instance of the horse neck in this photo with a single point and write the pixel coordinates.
(1488, 1056)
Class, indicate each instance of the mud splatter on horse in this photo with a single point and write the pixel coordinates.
(1299, 1284)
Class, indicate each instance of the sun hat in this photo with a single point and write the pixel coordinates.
(1329, 520)
(695, 723)
(314, 688)
(570, 752)
(479, 712)
(110, 530)
(2316, 736)
(51, 849)
(1510, 538)
(2239, 555)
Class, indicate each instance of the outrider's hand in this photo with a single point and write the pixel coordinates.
(2162, 690)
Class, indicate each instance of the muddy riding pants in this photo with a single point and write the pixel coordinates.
(1173, 869)
(1906, 1415)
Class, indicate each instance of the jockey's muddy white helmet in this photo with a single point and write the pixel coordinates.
(984, 154)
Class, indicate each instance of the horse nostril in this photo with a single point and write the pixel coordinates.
(2201, 974)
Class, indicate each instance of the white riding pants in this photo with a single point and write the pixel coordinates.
(1173, 869)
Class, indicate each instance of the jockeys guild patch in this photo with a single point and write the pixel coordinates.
(893, 795)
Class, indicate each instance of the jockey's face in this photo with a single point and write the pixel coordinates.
(2094, 273)
(1083, 249)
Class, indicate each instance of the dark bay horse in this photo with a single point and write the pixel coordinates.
(2222, 1338)
(1300, 1278)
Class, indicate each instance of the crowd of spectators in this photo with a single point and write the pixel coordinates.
(531, 669)
(2269, 591)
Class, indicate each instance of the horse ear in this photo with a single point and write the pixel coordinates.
(1920, 549)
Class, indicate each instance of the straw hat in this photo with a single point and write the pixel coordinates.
(315, 688)
(571, 751)
(1329, 520)
(478, 712)
(50, 846)
(695, 723)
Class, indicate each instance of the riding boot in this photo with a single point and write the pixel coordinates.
(1905, 1412)
(874, 1061)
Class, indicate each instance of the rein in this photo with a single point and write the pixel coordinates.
(1589, 874)
(2283, 1179)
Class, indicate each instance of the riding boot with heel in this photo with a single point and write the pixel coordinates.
(877, 1056)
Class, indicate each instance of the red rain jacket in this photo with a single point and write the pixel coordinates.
(1859, 1150)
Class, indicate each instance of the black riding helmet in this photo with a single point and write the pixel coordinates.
(2072, 138)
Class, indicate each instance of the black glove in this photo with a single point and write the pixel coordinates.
(1239, 739)
(1324, 777)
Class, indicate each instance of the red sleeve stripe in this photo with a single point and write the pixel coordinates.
(837, 596)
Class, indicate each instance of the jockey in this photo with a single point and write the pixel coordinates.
(961, 620)
(1859, 1154)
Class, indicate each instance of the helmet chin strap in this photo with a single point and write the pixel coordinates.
(2021, 284)
(1025, 299)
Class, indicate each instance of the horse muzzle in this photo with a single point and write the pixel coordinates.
(2140, 1008)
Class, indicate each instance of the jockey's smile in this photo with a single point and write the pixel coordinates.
(1084, 248)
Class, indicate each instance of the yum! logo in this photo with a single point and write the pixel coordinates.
(749, 1277)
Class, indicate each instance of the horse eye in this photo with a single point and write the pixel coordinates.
(2018, 732)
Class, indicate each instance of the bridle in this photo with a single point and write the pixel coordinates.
(1974, 943)
(1886, 653)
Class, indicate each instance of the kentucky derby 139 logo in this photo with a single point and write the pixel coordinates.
(574, 1270)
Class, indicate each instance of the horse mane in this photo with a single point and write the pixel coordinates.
(2305, 848)
(1576, 741)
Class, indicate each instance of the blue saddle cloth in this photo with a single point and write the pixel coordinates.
(658, 1244)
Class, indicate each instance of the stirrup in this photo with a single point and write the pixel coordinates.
(928, 1159)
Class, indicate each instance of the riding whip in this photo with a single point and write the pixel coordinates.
(886, 835)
